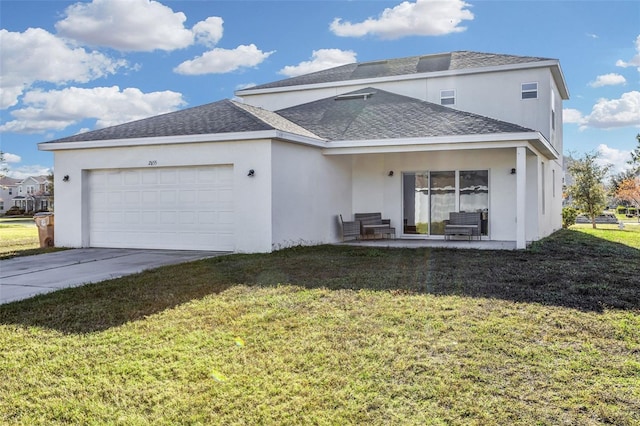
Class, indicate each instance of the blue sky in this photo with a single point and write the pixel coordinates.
(68, 67)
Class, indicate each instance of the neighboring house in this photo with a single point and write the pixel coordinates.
(7, 192)
(33, 194)
(413, 138)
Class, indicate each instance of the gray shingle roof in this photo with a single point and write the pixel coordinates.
(403, 66)
(224, 116)
(385, 115)
(352, 116)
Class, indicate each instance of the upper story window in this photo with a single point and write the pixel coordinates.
(529, 90)
(553, 110)
(447, 97)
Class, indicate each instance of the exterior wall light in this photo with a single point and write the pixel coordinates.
(390, 173)
(251, 173)
(65, 178)
(513, 171)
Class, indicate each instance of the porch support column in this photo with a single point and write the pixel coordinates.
(521, 197)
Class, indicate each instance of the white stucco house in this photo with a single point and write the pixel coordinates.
(413, 138)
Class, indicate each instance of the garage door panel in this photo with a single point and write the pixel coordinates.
(173, 208)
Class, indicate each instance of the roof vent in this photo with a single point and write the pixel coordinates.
(363, 96)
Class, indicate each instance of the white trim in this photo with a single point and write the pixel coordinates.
(531, 140)
(170, 140)
(553, 64)
(521, 198)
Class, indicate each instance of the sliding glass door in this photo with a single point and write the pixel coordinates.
(429, 197)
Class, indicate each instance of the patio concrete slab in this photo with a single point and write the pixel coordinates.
(24, 277)
(417, 243)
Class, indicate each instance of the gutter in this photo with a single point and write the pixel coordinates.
(443, 143)
(185, 139)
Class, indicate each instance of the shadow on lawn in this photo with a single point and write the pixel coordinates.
(569, 269)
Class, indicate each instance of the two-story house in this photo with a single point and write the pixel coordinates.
(413, 138)
(7, 192)
(32, 194)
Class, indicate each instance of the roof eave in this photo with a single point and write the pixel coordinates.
(437, 143)
(552, 63)
(171, 140)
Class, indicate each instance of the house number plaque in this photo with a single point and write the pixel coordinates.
(152, 163)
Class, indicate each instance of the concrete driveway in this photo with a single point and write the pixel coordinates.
(24, 277)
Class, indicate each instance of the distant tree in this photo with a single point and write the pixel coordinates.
(629, 190)
(49, 190)
(587, 191)
(3, 166)
(635, 157)
(617, 179)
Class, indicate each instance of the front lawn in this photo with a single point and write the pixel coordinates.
(19, 237)
(340, 335)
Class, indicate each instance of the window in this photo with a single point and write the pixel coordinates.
(429, 197)
(529, 90)
(553, 110)
(447, 97)
(544, 196)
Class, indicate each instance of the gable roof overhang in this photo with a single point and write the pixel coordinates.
(532, 140)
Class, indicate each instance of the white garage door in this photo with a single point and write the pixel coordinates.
(185, 208)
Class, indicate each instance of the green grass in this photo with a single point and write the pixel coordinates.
(19, 237)
(340, 335)
(630, 235)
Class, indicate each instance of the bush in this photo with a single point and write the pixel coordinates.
(569, 215)
(621, 210)
(14, 211)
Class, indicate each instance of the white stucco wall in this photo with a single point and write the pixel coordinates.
(252, 195)
(309, 191)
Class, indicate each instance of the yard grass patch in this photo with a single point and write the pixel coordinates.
(17, 235)
(339, 335)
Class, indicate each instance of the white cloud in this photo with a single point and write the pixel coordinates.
(614, 157)
(209, 32)
(128, 25)
(609, 113)
(37, 55)
(610, 79)
(11, 158)
(58, 109)
(570, 115)
(634, 61)
(25, 171)
(422, 18)
(219, 61)
(320, 60)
